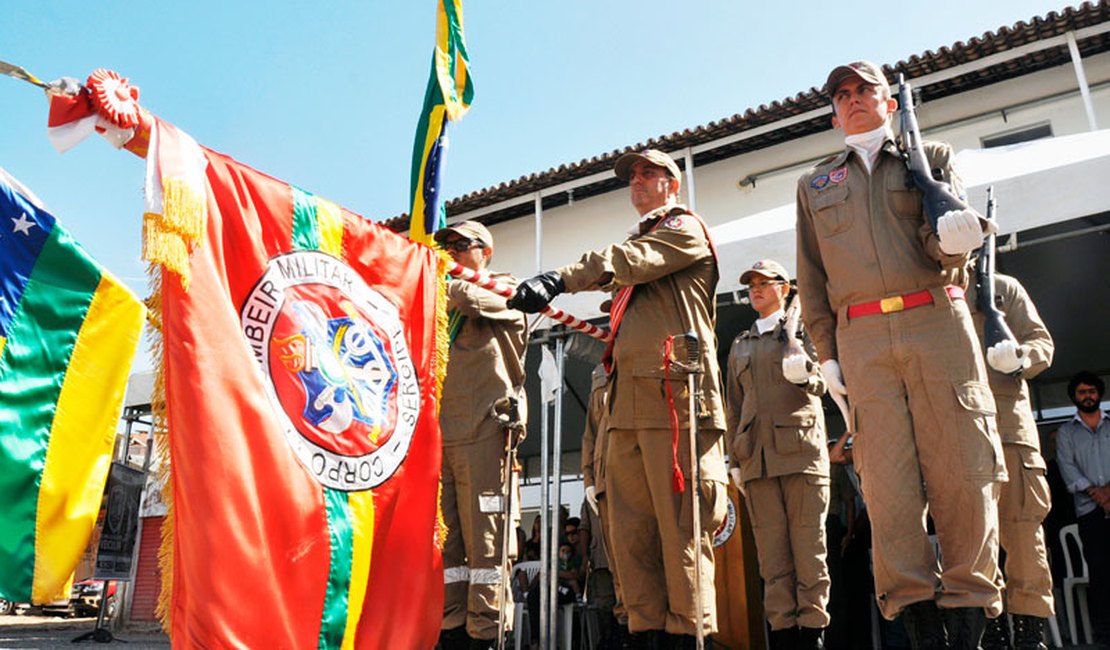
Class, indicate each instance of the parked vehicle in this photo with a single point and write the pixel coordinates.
(6, 607)
(85, 598)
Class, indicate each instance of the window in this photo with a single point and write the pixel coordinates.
(1023, 134)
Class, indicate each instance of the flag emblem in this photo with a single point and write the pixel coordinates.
(728, 526)
(336, 367)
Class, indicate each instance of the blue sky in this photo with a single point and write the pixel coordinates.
(326, 95)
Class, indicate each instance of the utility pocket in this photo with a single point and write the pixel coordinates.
(831, 215)
(1036, 500)
(904, 201)
(791, 433)
(979, 445)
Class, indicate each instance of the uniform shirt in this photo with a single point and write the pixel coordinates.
(1016, 424)
(674, 272)
(486, 361)
(594, 436)
(863, 237)
(1084, 459)
(775, 427)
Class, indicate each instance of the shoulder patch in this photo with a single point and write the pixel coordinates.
(819, 182)
(674, 223)
(839, 174)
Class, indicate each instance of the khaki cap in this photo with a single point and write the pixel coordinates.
(866, 70)
(623, 168)
(469, 229)
(767, 268)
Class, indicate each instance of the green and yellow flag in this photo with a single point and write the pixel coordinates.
(68, 332)
(447, 99)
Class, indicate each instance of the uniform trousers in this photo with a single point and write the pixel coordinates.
(1022, 506)
(788, 522)
(652, 527)
(606, 535)
(473, 482)
(925, 443)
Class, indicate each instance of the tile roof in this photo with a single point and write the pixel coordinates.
(961, 53)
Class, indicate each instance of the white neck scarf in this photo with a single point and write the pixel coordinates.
(868, 145)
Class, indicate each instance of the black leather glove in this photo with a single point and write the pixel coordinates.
(533, 294)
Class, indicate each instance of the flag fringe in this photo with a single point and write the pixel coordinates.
(443, 347)
(160, 430)
(170, 237)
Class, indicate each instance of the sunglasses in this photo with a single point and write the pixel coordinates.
(462, 245)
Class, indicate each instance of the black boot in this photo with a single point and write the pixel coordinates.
(965, 627)
(454, 639)
(997, 634)
(688, 642)
(1028, 632)
(483, 644)
(811, 638)
(650, 640)
(924, 626)
(784, 639)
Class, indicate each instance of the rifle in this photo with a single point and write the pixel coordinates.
(995, 329)
(791, 325)
(939, 197)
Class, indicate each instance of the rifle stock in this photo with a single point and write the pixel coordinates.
(938, 195)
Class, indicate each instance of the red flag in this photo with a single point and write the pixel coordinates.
(301, 393)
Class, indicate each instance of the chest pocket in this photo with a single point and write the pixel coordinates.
(903, 197)
(831, 215)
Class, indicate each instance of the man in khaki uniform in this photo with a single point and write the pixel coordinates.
(664, 277)
(485, 370)
(779, 459)
(882, 295)
(1024, 501)
(594, 439)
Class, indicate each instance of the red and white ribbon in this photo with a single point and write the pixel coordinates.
(500, 288)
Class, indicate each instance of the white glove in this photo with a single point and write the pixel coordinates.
(960, 232)
(795, 368)
(734, 473)
(1007, 357)
(591, 498)
(834, 379)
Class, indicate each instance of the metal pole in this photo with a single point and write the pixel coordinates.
(539, 232)
(556, 499)
(1081, 77)
(545, 535)
(691, 196)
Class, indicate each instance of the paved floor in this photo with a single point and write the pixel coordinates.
(54, 633)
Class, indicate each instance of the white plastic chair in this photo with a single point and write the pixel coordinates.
(1075, 584)
(521, 624)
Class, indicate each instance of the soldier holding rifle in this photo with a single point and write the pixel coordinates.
(664, 276)
(1024, 500)
(882, 292)
(779, 459)
(480, 418)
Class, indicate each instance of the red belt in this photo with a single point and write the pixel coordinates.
(901, 303)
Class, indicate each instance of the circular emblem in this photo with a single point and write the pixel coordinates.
(820, 182)
(724, 533)
(336, 367)
(674, 223)
(838, 175)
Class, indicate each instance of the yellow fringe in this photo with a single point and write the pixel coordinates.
(170, 237)
(184, 211)
(165, 248)
(160, 431)
(443, 346)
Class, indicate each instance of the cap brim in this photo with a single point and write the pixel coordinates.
(747, 275)
(623, 168)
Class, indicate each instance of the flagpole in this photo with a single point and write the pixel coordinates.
(483, 280)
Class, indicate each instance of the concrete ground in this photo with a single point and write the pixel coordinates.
(54, 632)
